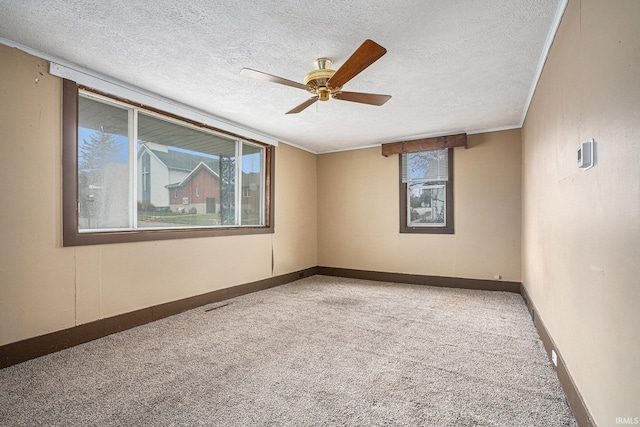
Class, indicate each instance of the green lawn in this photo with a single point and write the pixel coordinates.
(173, 218)
(180, 219)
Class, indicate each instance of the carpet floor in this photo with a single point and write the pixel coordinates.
(321, 351)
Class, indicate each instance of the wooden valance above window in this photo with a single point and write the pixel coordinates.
(437, 143)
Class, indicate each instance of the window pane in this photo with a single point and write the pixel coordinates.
(186, 177)
(150, 176)
(427, 204)
(427, 165)
(252, 187)
(103, 166)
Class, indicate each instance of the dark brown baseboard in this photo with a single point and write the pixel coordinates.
(21, 351)
(415, 279)
(31, 348)
(573, 396)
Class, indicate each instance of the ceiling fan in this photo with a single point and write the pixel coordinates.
(324, 82)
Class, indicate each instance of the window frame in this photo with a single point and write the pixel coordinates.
(70, 234)
(449, 227)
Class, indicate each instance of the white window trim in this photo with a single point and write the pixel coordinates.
(427, 185)
(133, 113)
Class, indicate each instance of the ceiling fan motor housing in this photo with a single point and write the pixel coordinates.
(316, 80)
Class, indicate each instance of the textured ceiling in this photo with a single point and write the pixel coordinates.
(451, 66)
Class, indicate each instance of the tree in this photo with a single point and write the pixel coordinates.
(100, 149)
(419, 163)
(94, 154)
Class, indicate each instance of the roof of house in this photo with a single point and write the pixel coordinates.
(200, 166)
(185, 161)
(179, 160)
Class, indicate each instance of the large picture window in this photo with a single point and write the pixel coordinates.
(426, 191)
(134, 174)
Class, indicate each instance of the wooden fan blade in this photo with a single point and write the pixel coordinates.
(304, 105)
(368, 53)
(363, 98)
(271, 78)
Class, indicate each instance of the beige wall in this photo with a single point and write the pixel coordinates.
(581, 229)
(358, 209)
(45, 287)
(296, 214)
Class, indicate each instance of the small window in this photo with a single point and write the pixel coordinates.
(426, 192)
(134, 174)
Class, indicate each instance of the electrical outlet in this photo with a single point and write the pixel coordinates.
(497, 276)
(554, 358)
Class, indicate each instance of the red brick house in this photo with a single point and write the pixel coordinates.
(199, 191)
